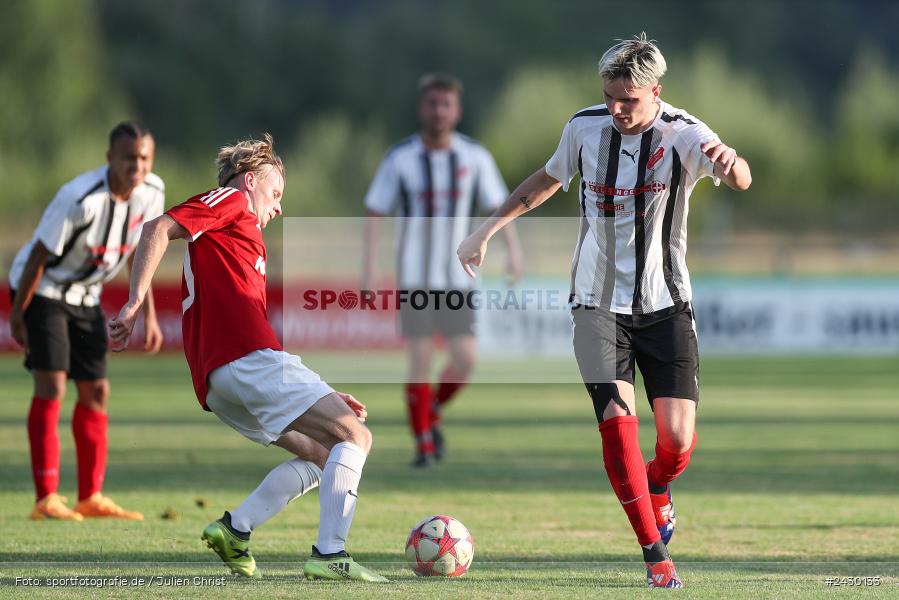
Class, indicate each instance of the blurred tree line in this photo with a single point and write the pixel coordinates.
(808, 91)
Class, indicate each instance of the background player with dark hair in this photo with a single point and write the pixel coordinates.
(434, 182)
(84, 237)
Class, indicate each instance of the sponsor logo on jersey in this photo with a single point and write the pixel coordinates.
(607, 190)
(630, 155)
(656, 157)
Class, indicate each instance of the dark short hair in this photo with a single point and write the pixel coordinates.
(130, 129)
(439, 81)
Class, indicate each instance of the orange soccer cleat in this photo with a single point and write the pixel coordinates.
(98, 505)
(53, 506)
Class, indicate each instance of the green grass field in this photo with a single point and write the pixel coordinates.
(795, 479)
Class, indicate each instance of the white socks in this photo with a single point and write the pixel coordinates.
(287, 481)
(337, 496)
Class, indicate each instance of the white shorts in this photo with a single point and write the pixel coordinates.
(260, 394)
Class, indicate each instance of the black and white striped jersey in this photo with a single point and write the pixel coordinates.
(435, 194)
(89, 235)
(631, 253)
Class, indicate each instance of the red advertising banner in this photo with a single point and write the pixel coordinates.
(319, 314)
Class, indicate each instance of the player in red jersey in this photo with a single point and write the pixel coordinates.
(239, 369)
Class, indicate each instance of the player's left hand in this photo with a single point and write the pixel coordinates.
(356, 406)
(152, 336)
(723, 157)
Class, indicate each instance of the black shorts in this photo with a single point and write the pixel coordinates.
(662, 344)
(449, 312)
(62, 337)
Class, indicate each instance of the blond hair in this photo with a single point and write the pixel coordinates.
(245, 156)
(638, 60)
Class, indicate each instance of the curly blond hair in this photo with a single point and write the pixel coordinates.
(247, 155)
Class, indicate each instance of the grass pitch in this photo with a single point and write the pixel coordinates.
(795, 479)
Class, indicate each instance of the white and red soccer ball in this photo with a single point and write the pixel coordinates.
(440, 546)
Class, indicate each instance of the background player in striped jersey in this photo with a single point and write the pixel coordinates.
(239, 369)
(638, 159)
(434, 182)
(84, 237)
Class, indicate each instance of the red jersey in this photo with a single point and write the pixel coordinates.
(223, 285)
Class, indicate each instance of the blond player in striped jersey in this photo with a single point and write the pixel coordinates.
(638, 159)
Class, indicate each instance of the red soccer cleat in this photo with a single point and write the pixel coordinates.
(662, 575)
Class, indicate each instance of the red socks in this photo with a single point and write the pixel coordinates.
(44, 440)
(450, 383)
(89, 427)
(666, 466)
(627, 474)
(418, 400)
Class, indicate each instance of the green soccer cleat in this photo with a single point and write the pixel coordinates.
(231, 547)
(338, 566)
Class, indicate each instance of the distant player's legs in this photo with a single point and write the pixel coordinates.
(43, 418)
(43, 439)
(419, 396)
(462, 353)
(90, 426)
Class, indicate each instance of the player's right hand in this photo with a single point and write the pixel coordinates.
(471, 253)
(120, 327)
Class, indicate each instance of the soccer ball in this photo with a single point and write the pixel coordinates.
(441, 546)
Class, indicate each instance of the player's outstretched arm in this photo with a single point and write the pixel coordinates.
(530, 193)
(154, 240)
(732, 169)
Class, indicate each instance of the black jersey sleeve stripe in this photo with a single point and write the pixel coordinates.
(668, 118)
(96, 187)
(640, 222)
(676, 171)
(591, 112)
